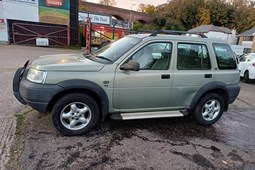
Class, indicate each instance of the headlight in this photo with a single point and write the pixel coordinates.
(36, 75)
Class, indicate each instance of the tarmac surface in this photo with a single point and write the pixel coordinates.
(171, 143)
(12, 57)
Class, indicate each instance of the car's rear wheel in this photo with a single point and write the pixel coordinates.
(75, 114)
(246, 78)
(209, 109)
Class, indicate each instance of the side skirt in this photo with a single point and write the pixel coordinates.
(146, 115)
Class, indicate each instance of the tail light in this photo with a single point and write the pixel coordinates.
(253, 64)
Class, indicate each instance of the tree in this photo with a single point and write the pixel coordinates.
(137, 26)
(203, 16)
(186, 14)
(107, 2)
(141, 7)
(150, 9)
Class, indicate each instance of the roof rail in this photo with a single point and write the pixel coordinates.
(141, 32)
(174, 32)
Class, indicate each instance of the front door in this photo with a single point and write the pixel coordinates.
(150, 87)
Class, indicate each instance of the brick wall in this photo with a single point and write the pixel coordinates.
(119, 13)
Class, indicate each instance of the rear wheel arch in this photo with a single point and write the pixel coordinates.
(218, 88)
(84, 87)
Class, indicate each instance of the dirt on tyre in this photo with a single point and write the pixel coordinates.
(209, 109)
(75, 114)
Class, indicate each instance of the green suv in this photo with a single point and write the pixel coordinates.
(137, 77)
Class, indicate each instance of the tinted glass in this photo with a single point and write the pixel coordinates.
(193, 57)
(225, 56)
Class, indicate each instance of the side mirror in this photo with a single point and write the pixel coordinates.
(131, 65)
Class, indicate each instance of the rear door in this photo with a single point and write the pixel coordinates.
(193, 69)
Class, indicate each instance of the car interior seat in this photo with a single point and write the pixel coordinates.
(163, 62)
(146, 58)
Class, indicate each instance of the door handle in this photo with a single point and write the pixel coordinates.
(208, 75)
(165, 76)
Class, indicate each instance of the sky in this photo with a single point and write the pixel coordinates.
(127, 4)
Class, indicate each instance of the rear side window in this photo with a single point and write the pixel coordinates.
(193, 57)
(225, 56)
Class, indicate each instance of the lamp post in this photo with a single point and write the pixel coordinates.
(130, 18)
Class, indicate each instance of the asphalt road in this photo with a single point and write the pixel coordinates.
(173, 143)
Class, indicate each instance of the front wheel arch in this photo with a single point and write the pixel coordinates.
(70, 91)
(87, 87)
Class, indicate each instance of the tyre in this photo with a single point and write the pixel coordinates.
(209, 109)
(75, 114)
(246, 77)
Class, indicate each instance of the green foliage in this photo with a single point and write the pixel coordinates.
(150, 9)
(137, 26)
(187, 14)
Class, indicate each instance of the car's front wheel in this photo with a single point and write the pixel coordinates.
(75, 114)
(209, 109)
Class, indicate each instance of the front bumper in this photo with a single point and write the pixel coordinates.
(38, 96)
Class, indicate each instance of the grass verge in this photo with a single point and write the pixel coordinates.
(19, 140)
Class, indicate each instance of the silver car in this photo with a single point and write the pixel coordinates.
(163, 74)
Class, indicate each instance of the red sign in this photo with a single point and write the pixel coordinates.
(55, 3)
(88, 27)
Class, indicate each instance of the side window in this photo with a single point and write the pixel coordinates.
(193, 57)
(155, 56)
(246, 50)
(225, 56)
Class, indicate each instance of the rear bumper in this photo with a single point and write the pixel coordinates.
(252, 73)
(233, 92)
(38, 96)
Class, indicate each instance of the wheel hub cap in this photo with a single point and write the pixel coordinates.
(211, 109)
(75, 116)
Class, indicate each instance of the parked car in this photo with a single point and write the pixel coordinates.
(137, 77)
(247, 67)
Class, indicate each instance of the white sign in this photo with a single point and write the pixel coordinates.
(83, 16)
(20, 11)
(28, 2)
(42, 41)
(98, 19)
